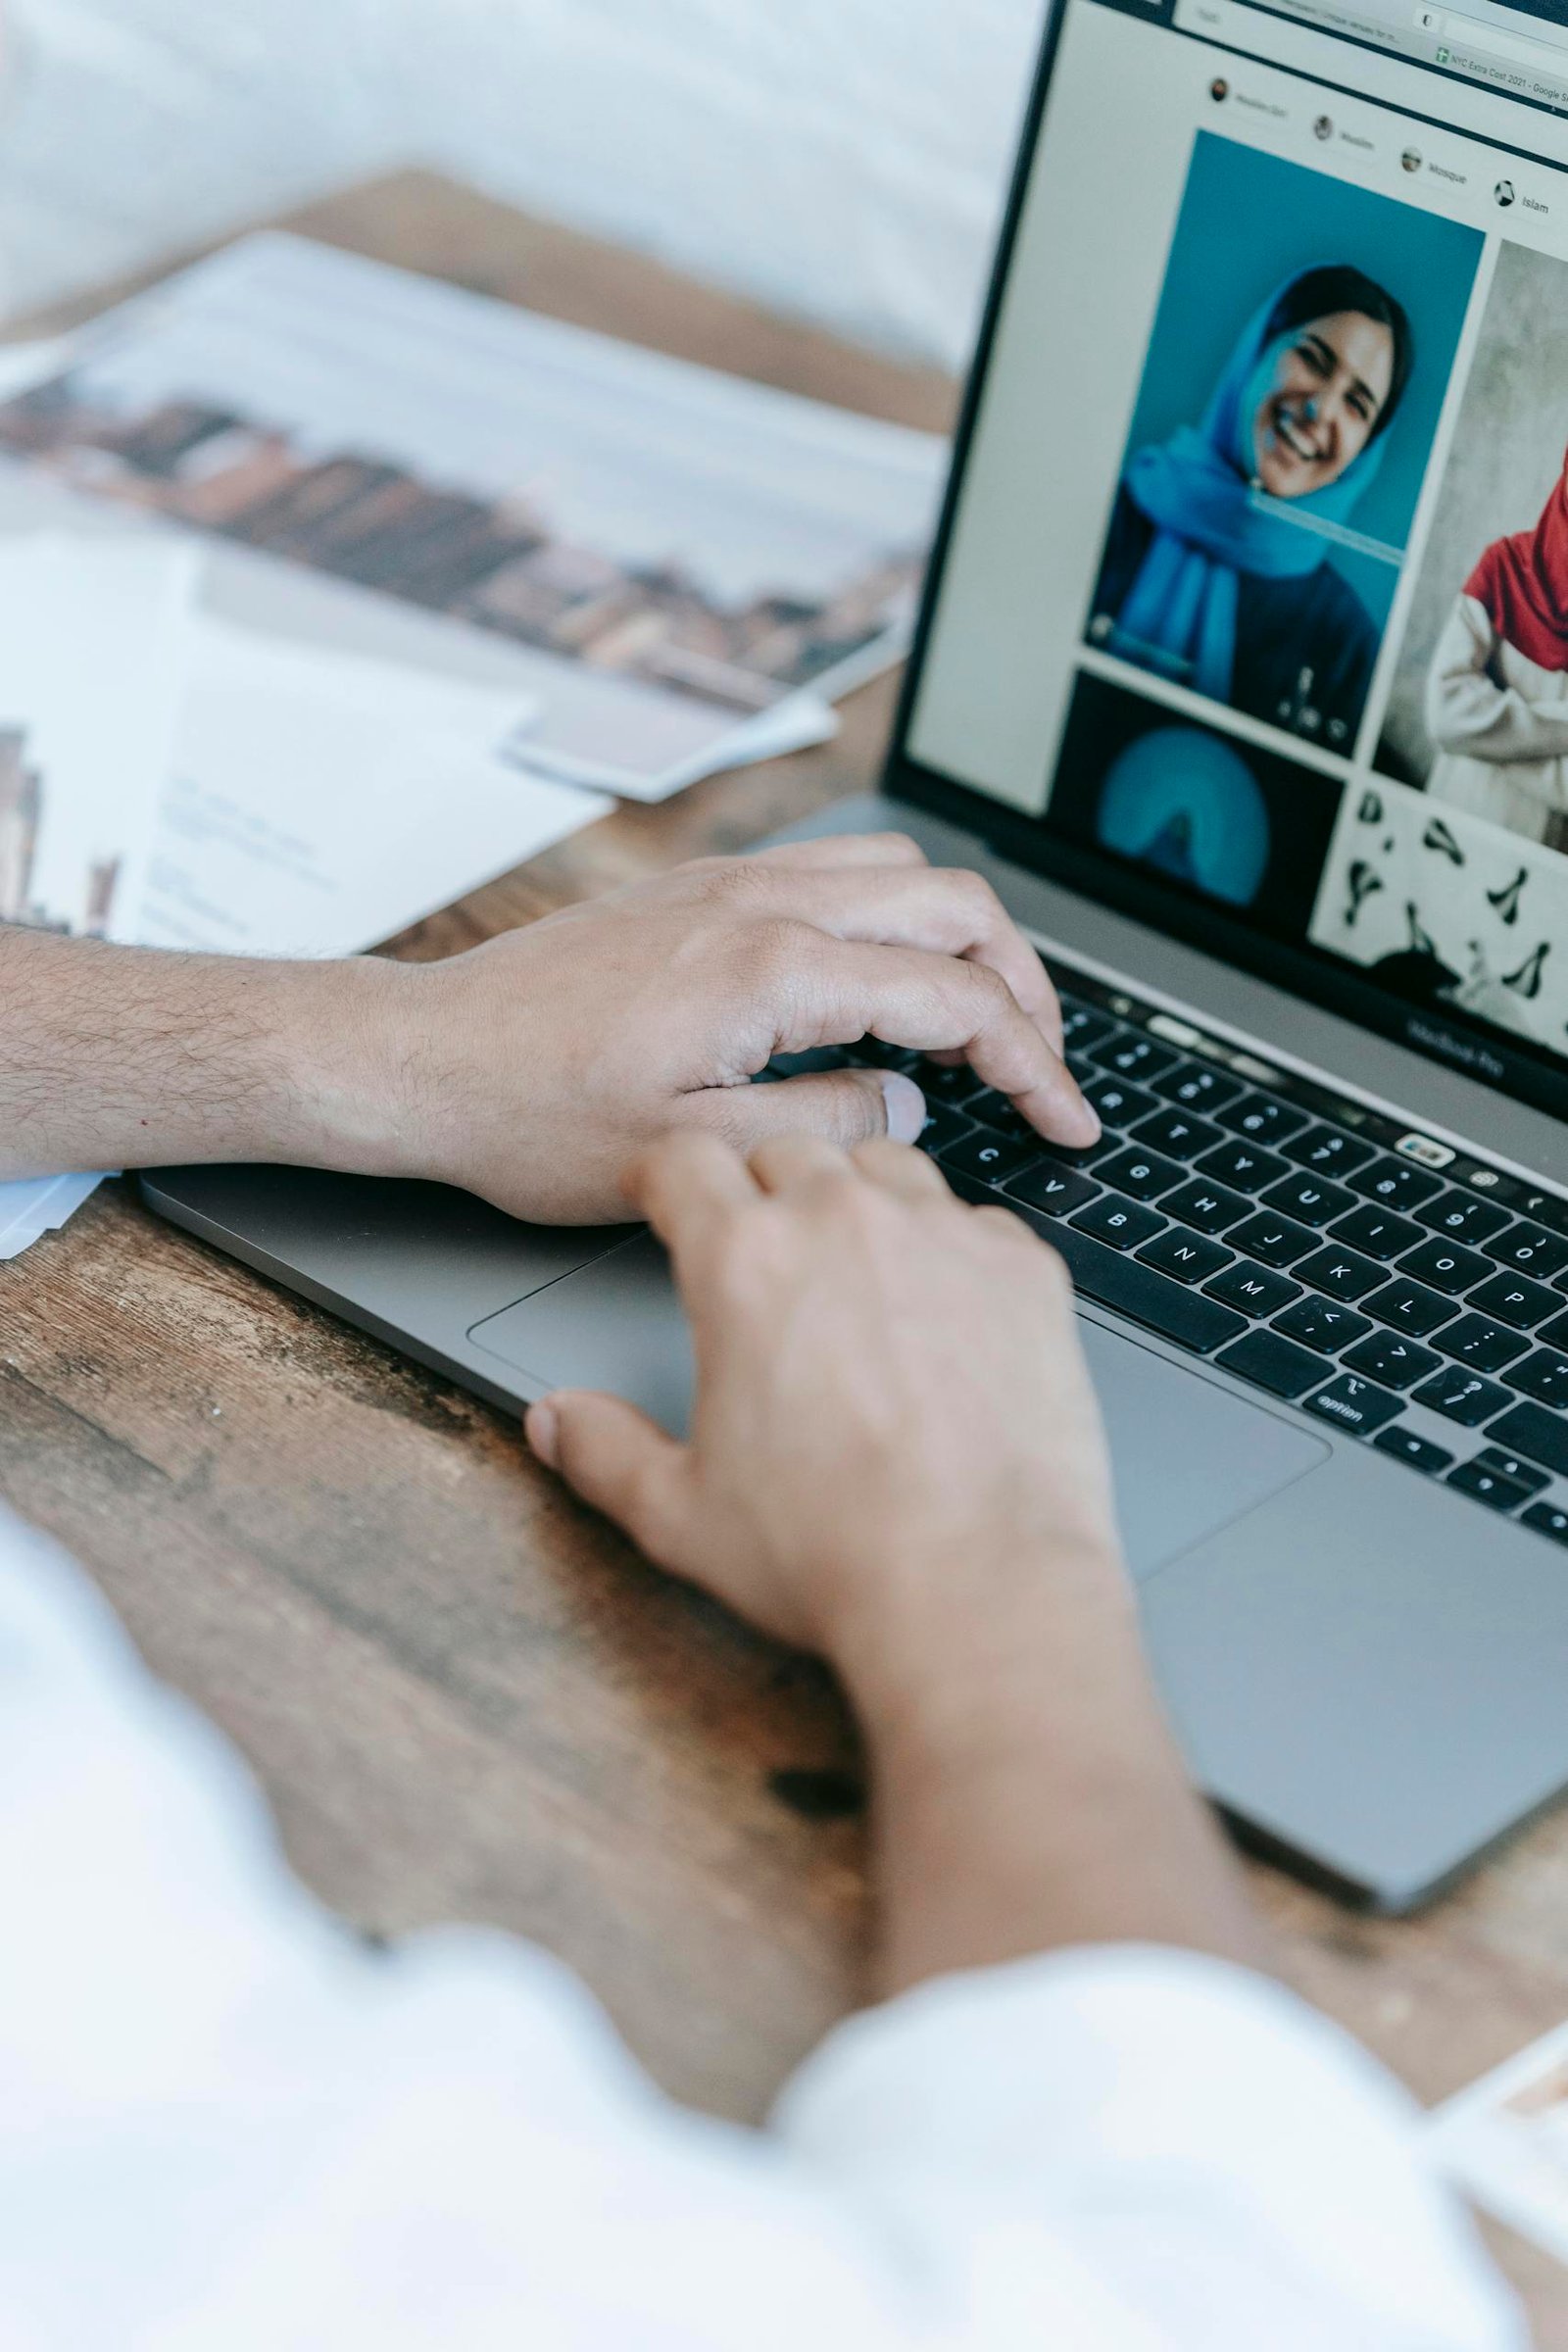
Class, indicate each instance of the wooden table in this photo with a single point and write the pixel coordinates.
(464, 1695)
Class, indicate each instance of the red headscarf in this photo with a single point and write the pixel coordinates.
(1523, 583)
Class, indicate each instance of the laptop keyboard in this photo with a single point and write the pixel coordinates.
(1315, 1249)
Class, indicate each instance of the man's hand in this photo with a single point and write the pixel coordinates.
(549, 1057)
(531, 1069)
(896, 1459)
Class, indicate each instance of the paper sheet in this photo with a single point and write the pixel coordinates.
(673, 555)
(92, 667)
(38, 1205)
(1505, 2141)
(316, 806)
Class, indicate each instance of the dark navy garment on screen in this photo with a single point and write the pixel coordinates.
(1305, 647)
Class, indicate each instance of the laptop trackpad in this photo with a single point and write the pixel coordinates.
(1188, 1457)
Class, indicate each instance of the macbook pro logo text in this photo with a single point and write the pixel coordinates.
(1462, 1049)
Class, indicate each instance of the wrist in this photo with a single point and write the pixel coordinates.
(951, 1653)
(358, 1069)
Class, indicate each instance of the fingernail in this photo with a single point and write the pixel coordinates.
(541, 1427)
(906, 1107)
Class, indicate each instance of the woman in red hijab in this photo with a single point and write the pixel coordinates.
(1497, 690)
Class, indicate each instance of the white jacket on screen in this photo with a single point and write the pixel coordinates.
(1500, 725)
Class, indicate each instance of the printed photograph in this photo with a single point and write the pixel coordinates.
(1443, 909)
(1478, 717)
(731, 547)
(1294, 374)
(1219, 818)
(21, 807)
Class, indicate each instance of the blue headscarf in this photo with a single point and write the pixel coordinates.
(1179, 616)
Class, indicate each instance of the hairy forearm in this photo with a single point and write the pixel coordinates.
(128, 1058)
(1028, 1795)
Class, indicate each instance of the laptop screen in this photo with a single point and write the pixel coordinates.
(1250, 609)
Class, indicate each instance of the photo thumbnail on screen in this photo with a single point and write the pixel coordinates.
(1291, 391)
(1477, 710)
(1448, 911)
(1218, 818)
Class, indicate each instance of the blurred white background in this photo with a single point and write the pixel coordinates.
(841, 160)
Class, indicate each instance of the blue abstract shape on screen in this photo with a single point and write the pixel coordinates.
(1188, 805)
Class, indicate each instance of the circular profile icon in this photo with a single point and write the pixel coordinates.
(1219, 89)
(1503, 192)
(1323, 127)
(1411, 159)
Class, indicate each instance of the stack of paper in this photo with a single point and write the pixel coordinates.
(168, 779)
(683, 566)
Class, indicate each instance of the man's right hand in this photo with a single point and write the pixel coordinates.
(896, 1459)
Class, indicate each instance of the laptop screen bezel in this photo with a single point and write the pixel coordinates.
(1446, 1035)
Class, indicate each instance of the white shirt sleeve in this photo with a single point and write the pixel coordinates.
(1468, 712)
(226, 2121)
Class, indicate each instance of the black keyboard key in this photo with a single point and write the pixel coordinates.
(1394, 1184)
(1410, 1306)
(1544, 1376)
(1377, 1233)
(1356, 1404)
(1265, 1119)
(1323, 1324)
(1443, 1266)
(1185, 1256)
(1133, 1056)
(1514, 1466)
(1484, 1345)
(1462, 1218)
(943, 1127)
(1540, 1436)
(1210, 1208)
(1197, 1088)
(1277, 1240)
(1391, 1361)
(1340, 1272)
(1419, 1453)
(1058, 1190)
(1254, 1289)
(1489, 1486)
(1123, 1284)
(1329, 1151)
(1514, 1299)
(1547, 1520)
(1464, 1397)
(1177, 1133)
(1526, 1249)
(1143, 1174)
(1272, 1364)
(1082, 1026)
(1117, 1103)
(994, 1110)
(1247, 1167)
(947, 1082)
(1310, 1199)
(1120, 1223)
(987, 1155)
(1553, 1335)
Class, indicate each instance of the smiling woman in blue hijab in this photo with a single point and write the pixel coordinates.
(1217, 571)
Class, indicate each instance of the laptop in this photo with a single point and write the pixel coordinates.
(1243, 674)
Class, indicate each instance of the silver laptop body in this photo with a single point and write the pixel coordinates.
(1367, 1662)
